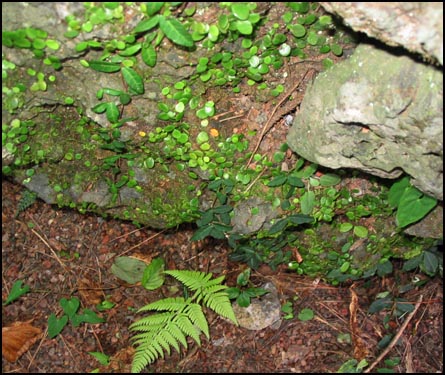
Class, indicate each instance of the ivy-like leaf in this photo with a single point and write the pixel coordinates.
(133, 79)
(70, 306)
(87, 316)
(176, 32)
(413, 206)
(153, 276)
(55, 326)
(104, 66)
(16, 292)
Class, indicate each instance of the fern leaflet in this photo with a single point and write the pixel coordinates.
(178, 317)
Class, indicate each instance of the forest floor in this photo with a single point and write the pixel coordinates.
(63, 254)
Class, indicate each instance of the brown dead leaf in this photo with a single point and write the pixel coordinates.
(120, 362)
(18, 338)
(90, 292)
(360, 350)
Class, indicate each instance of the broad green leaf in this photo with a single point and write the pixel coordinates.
(413, 206)
(112, 112)
(176, 32)
(104, 66)
(336, 49)
(329, 179)
(233, 292)
(396, 191)
(70, 306)
(278, 226)
(243, 277)
(202, 232)
(243, 299)
(128, 269)
(300, 219)
(412, 263)
(130, 51)
(16, 292)
(149, 55)
(240, 11)
(430, 263)
(124, 98)
(277, 181)
(55, 326)
(101, 357)
(87, 316)
(153, 276)
(361, 231)
(147, 24)
(297, 30)
(256, 292)
(134, 80)
(305, 314)
(384, 268)
(244, 27)
(154, 7)
(345, 227)
(295, 181)
(107, 90)
(307, 202)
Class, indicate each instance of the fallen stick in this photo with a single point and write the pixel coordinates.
(396, 337)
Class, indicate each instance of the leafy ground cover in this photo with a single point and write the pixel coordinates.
(64, 255)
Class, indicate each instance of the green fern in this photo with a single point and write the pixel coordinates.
(179, 318)
(27, 199)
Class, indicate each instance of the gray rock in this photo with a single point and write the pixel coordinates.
(245, 222)
(416, 26)
(376, 112)
(262, 312)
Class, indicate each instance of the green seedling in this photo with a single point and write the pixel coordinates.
(70, 308)
(16, 292)
(243, 294)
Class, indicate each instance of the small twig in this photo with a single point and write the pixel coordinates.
(139, 244)
(126, 234)
(396, 337)
(255, 180)
(50, 248)
(269, 123)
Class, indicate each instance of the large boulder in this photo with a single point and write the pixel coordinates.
(380, 111)
(376, 112)
(416, 26)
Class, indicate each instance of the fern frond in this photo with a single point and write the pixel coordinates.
(194, 312)
(193, 280)
(168, 304)
(150, 322)
(179, 318)
(151, 345)
(220, 303)
(188, 327)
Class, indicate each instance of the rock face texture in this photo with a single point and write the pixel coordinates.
(415, 26)
(380, 111)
